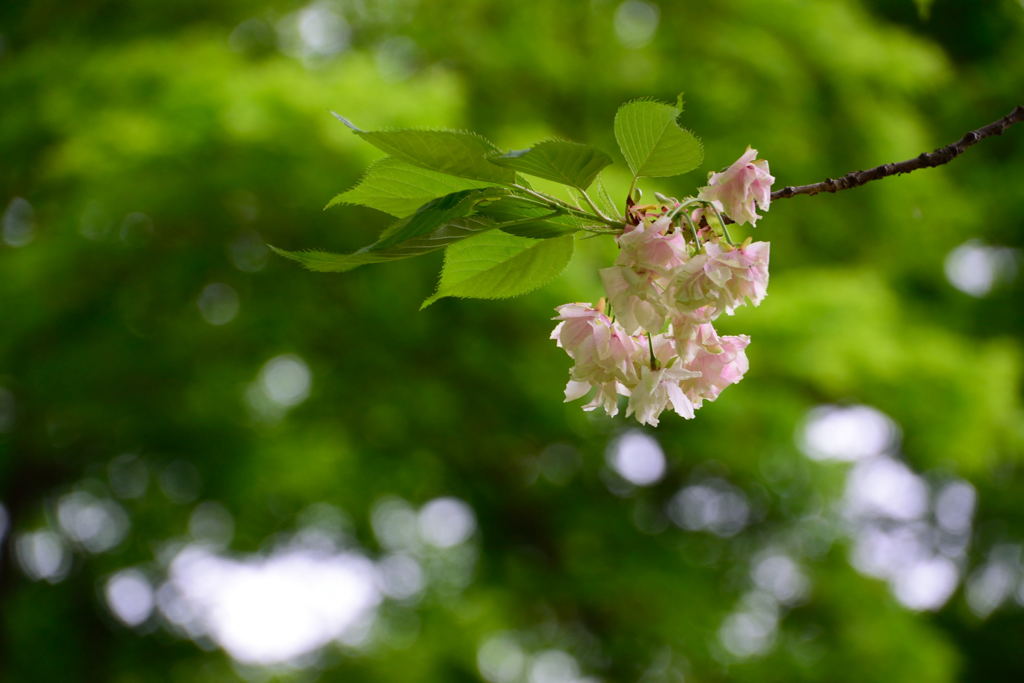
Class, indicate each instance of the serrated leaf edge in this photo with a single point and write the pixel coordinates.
(679, 112)
(437, 296)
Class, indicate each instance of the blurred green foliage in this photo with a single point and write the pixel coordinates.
(149, 151)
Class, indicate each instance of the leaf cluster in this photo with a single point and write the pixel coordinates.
(456, 190)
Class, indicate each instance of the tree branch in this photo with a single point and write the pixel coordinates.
(940, 156)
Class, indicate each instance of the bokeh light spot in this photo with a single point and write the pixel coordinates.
(129, 596)
(927, 583)
(713, 505)
(446, 522)
(954, 507)
(884, 487)
(401, 576)
(636, 22)
(395, 524)
(553, 666)
(992, 583)
(211, 523)
(781, 576)
(314, 32)
(18, 223)
(95, 524)
(637, 457)
(218, 303)
(286, 380)
(975, 268)
(273, 609)
(43, 555)
(847, 433)
(500, 659)
(751, 630)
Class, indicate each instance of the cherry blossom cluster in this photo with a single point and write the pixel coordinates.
(652, 339)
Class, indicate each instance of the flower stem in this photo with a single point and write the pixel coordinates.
(593, 206)
(629, 195)
(682, 205)
(693, 230)
(721, 221)
(554, 202)
(728, 238)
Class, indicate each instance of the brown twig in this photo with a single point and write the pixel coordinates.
(940, 156)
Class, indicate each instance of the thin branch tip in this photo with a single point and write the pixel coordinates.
(938, 157)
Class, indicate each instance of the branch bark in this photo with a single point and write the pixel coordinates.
(942, 155)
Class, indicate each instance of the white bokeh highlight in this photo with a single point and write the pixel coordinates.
(637, 457)
(712, 505)
(130, 596)
(779, 575)
(884, 487)
(446, 522)
(751, 630)
(269, 609)
(992, 584)
(282, 383)
(847, 433)
(501, 660)
(975, 268)
(636, 22)
(43, 555)
(94, 523)
(315, 32)
(904, 530)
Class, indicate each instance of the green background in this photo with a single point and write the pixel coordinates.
(150, 149)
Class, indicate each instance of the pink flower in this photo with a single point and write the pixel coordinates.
(719, 361)
(693, 289)
(717, 367)
(723, 279)
(691, 337)
(638, 298)
(606, 396)
(604, 354)
(656, 391)
(737, 189)
(661, 282)
(647, 247)
(741, 274)
(638, 283)
(600, 347)
(581, 329)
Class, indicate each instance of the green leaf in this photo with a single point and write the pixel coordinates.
(399, 188)
(514, 215)
(436, 213)
(569, 163)
(436, 224)
(456, 153)
(540, 230)
(331, 262)
(496, 265)
(653, 143)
